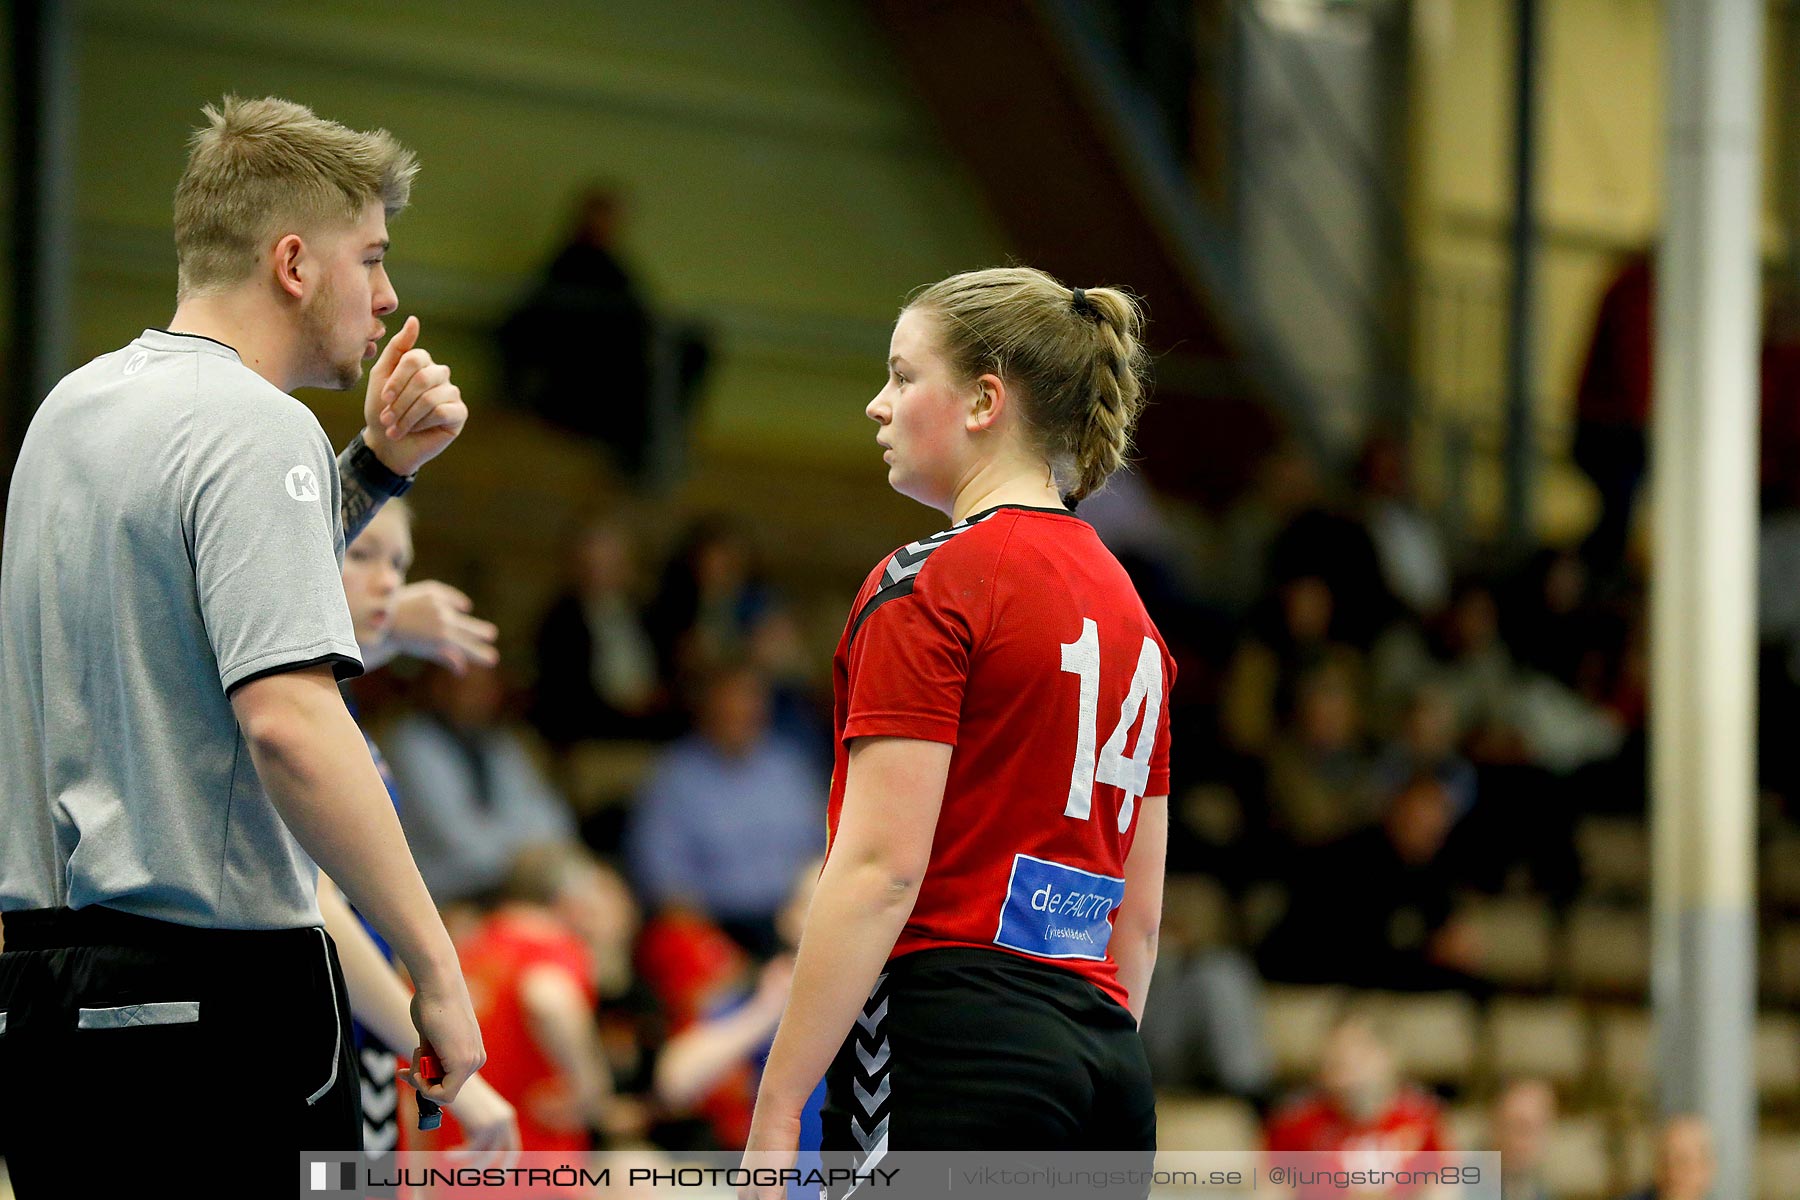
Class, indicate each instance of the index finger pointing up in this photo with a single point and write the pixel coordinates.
(399, 344)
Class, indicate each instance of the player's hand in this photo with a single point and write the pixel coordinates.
(491, 1124)
(431, 620)
(773, 1145)
(446, 1023)
(412, 410)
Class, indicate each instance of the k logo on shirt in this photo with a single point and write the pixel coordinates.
(303, 485)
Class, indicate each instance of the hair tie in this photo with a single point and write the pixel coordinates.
(1078, 300)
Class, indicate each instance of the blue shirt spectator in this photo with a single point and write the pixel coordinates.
(728, 814)
(475, 796)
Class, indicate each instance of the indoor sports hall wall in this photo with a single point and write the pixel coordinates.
(1601, 129)
(784, 185)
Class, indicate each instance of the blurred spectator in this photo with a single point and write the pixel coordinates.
(1376, 909)
(729, 812)
(1427, 745)
(1612, 405)
(588, 300)
(534, 979)
(1361, 1114)
(1334, 546)
(1129, 518)
(1684, 1161)
(1780, 427)
(1551, 626)
(1519, 1128)
(475, 795)
(1508, 716)
(1320, 786)
(798, 713)
(1408, 544)
(1462, 652)
(1203, 1024)
(711, 598)
(598, 675)
(1291, 634)
(1287, 485)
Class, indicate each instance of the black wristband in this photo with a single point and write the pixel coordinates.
(372, 472)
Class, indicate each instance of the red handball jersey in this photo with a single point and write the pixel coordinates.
(506, 948)
(1313, 1134)
(1017, 638)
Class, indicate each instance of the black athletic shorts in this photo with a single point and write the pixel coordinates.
(970, 1049)
(134, 1050)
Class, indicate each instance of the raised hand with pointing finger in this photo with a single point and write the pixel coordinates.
(412, 410)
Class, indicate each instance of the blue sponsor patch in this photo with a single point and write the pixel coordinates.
(1054, 911)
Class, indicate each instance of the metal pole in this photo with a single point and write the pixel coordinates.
(1703, 594)
(1521, 447)
(43, 229)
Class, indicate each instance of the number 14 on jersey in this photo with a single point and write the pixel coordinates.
(1081, 658)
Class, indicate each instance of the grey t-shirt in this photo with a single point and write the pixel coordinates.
(173, 532)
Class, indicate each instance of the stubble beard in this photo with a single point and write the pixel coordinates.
(318, 332)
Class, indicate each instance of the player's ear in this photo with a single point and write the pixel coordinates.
(987, 404)
(286, 262)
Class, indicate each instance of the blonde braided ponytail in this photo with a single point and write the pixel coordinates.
(1074, 356)
(1116, 390)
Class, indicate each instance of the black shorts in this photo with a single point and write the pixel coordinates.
(129, 1042)
(970, 1049)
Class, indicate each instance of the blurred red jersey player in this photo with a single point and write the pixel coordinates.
(1361, 1117)
(531, 967)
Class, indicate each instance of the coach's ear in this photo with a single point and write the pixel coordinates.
(289, 255)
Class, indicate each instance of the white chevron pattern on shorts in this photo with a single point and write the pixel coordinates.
(874, 1083)
(869, 1020)
(875, 1147)
(377, 1139)
(873, 1060)
(872, 1100)
(380, 1099)
(868, 1138)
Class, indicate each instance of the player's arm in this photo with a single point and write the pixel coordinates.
(562, 1025)
(381, 1001)
(1140, 914)
(365, 485)
(699, 1056)
(316, 768)
(893, 792)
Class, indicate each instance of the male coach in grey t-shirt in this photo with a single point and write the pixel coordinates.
(174, 752)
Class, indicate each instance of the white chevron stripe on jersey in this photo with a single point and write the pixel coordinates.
(872, 1060)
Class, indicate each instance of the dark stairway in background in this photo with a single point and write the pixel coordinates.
(1068, 169)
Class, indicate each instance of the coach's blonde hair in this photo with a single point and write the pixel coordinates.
(262, 168)
(1072, 358)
